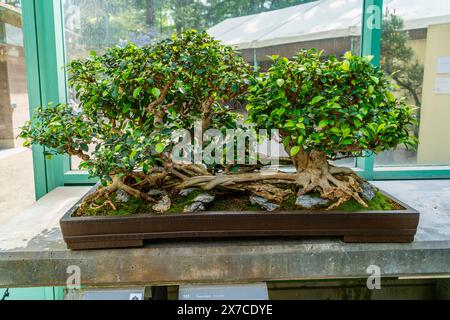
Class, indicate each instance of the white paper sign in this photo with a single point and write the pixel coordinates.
(256, 291)
(136, 296)
(444, 65)
(443, 86)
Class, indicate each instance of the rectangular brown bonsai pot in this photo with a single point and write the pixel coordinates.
(396, 226)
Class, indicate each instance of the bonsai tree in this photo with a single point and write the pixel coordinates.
(131, 99)
(329, 109)
(325, 109)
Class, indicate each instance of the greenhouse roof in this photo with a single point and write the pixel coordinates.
(322, 19)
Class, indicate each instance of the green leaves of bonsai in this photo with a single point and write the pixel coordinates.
(131, 99)
(340, 107)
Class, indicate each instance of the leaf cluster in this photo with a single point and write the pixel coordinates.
(338, 106)
(131, 99)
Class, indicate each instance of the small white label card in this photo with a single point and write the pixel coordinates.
(444, 65)
(136, 296)
(255, 291)
(443, 86)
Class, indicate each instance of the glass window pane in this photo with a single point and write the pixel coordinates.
(415, 50)
(16, 165)
(259, 29)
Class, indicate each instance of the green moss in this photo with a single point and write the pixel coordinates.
(224, 202)
(179, 202)
(379, 203)
(289, 203)
(133, 206)
(228, 202)
(233, 202)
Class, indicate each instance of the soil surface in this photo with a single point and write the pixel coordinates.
(224, 202)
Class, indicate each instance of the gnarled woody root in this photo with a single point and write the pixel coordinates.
(116, 184)
(314, 174)
(317, 175)
(141, 181)
(333, 183)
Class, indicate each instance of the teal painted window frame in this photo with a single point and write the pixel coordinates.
(45, 57)
(39, 293)
(46, 79)
(371, 45)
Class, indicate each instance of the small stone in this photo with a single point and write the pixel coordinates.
(157, 193)
(369, 192)
(205, 198)
(264, 203)
(122, 196)
(186, 192)
(195, 207)
(163, 205)
(311, 202)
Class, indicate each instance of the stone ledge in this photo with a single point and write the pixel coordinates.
(32, 252)
(214, 262)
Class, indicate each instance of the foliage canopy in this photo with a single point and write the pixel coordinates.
(132, 98)
(340, 107)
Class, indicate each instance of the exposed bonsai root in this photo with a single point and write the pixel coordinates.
(141, 183)
(226, 181)
(244, 168)
(321, 177)
(103, 192)
(270, 192)
(107, 202)
(186, 171)
(193, 169)
(116, 184)
(178, 174)
(150, 180)
(314, 175)
(136, 193)
(340, 170)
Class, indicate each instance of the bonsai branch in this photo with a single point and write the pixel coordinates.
(78, 153)
(152, 106)
(207, 110)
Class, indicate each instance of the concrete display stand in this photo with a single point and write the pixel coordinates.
(33, 253)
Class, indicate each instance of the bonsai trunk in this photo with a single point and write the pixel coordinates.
(314, 174)
(206, 116)
(333, 183)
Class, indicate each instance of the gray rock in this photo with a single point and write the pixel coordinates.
(157, 193)
(264, 203)
(195, 207)
(369, 192)
(163, 205)
(311, 202)
(205, 198)
(122, 196)
(186, 192)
